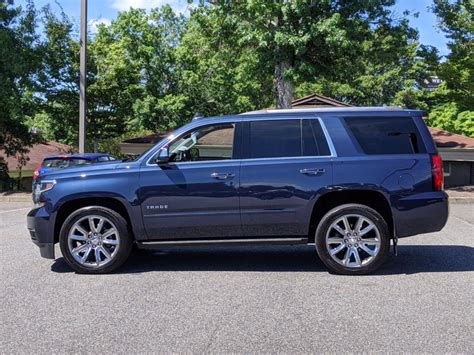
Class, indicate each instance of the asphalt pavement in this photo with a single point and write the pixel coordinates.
(242, 299)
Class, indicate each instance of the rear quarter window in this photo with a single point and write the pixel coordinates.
(386, 135)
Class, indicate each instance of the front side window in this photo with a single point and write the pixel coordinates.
(287, 138)
(208, 143)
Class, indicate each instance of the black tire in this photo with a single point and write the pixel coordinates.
(124, 236)
(350, 210)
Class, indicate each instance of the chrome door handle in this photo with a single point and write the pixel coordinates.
(222, 176)
(317, 172)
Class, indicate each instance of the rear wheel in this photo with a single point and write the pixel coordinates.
(95, 240)
(352, 239)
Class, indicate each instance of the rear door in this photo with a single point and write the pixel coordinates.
(287, 163)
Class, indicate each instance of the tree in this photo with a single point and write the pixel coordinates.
(309, 41)
(452, 104)
(136, 71)
(59, 78)
(456, 20)
(130, 72)
(19, 62)
(218, 74)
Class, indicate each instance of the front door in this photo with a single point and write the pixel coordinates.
(195, 195)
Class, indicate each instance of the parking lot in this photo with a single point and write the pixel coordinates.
(245, 299)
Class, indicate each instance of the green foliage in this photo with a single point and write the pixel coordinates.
(130, 69)
(135, 61)
(59, 80)
(219, 75)
(464, 123)
(456, 20)
(357, 51)
(19, 61)
(449, 118)
(43, 123)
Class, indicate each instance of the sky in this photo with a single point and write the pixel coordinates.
(103, 11)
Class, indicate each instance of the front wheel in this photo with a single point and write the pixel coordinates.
(95, 240)
(352, 239)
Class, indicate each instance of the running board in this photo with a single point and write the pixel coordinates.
(159, 244)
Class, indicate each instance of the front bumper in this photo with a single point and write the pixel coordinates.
(40, 224)
(421, 213)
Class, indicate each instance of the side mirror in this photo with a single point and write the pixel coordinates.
(163, 156)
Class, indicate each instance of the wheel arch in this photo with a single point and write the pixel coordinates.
(70, 206)
(371, 198)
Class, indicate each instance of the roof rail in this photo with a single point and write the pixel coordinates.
(325, 109)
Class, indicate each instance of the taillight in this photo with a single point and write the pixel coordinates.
(437, 172)
(36, 172)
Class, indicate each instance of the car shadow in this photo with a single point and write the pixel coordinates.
(411, 259)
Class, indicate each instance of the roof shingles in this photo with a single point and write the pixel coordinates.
(445, 139)
(36, 155)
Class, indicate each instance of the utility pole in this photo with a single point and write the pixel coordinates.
(83, 79)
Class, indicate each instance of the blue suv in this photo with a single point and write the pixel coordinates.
(348, 180)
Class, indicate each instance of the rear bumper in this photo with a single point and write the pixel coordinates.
(40, 225)
(420, 213)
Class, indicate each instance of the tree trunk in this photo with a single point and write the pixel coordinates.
(283, 86)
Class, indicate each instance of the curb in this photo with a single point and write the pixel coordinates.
(461, 200)
(16, 199)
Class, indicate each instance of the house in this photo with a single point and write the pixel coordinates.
(137, 146)
(316, 101)
(34, 157)
(457, 152)
(431, 84)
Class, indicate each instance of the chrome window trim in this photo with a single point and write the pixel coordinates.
(247, 160)
(169, 140)
(286, 158)
(332, 149)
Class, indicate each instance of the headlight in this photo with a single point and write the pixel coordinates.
(41, 187)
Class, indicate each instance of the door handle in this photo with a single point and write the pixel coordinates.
(222, 176)
(316, 172)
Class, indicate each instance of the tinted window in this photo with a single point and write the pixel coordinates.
(104, 158)
(55, 163)
(314, 141)
(64, 162)
(79, 161)
(287, 138)
(270, 139)
(391, 135)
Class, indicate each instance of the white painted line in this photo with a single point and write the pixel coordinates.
(18, 209)
(462, 220)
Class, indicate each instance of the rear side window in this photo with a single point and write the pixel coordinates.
(391, 135)
(287, 138)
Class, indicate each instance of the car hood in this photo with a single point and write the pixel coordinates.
(86, 170)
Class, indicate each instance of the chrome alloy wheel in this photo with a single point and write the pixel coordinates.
(353, 241)
(93, 241)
